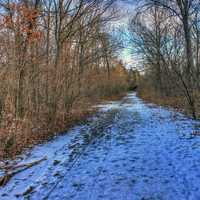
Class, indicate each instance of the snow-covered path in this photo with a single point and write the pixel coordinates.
(130, 151)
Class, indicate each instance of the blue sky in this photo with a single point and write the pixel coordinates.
(126, 9)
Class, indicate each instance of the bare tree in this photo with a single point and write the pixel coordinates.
(168, 29)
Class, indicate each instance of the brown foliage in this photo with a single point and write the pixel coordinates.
(52, 59)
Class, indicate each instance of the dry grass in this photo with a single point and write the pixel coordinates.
(22, 134)
(177, 102)
(18, 135)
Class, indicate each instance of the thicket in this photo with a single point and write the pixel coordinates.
(55, 57)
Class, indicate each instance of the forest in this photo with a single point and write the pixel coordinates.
(166, 36)
(56, 58)
(60, 57)
(99, 99)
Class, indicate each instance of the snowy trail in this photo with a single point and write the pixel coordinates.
(129, 151)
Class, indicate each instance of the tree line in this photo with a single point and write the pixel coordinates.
(52, 54)
(166, 35)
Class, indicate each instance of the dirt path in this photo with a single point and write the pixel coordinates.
(129, 151)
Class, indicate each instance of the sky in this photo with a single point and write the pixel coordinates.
(126, 9)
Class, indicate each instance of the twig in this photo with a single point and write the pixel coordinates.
(17, 169)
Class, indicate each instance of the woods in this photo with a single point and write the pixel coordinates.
(99, 99)
(166, 36)
(59, 57)
(54, 56)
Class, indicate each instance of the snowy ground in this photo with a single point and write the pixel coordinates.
(129, 151)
